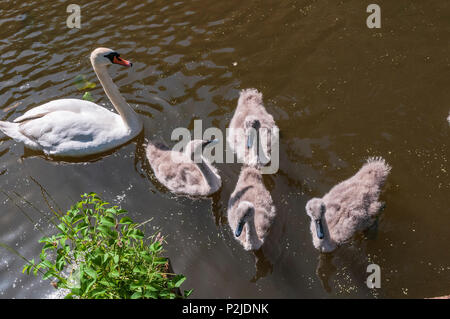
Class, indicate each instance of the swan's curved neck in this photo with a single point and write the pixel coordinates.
(253, 158)
(326, 243)
(129, 117)
(251, 235)
(207, 172)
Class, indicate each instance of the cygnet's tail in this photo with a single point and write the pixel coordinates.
(379, 166)
(250, 97)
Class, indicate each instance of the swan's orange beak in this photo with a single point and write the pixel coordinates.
(118, 60)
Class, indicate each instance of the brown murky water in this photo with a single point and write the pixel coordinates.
(340, 92)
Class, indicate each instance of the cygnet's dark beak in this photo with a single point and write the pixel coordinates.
(239, 228)
(210, 142)
(250, 140)
(319, 228)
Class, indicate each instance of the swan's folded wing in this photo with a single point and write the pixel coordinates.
(70, 105)
(64, 129)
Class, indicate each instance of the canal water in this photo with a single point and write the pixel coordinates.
(339, 92)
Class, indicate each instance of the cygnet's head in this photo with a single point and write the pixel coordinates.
(315, 208)
(251, 127)
(245, 211)
(105, 57)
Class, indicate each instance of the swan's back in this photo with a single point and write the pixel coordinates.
(177, 172)
(353, 204)
(69, 105)
(69, 127)
(251, 103)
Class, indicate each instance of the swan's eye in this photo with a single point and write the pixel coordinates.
(111, 56)
(115, 58)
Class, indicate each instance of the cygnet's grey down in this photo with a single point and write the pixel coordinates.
(180, 172)
(251, 211)
(251, 115)
(349, 207)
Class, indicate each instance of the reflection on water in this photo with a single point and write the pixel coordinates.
(338, 91)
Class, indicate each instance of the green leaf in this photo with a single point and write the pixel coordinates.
(45, 240)
(87, 96)
(159, 260)
(136, 234)
(139, 270)
(126, 221)
(136, 286)
(106, 283)
(106, 256)
(151, 294)
(77, 218)
(155, 247)
(62, 227)
(98, 292)
(91, 272)
(108, 221)
(179, 281)
(90, 283)
(47, 246)
(76, 291)
(82, 83)
(105, 230)
(47, 263)
(60, 264)
(48, 274)
(136, 295)
(26, 268)
(151, 288)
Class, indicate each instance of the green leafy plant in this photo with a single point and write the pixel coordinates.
(82, 83)
(87, 96)
(99, 253)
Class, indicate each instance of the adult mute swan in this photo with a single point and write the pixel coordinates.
(251, 116)
(75, 128)
(181, 172)
(349, 207)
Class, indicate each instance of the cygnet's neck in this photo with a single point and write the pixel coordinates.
(207, 171)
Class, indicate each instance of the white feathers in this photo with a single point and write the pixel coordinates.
(75, 128)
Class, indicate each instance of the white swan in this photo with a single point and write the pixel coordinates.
(75, 128)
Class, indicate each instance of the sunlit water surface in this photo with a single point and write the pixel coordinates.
(339, 92)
